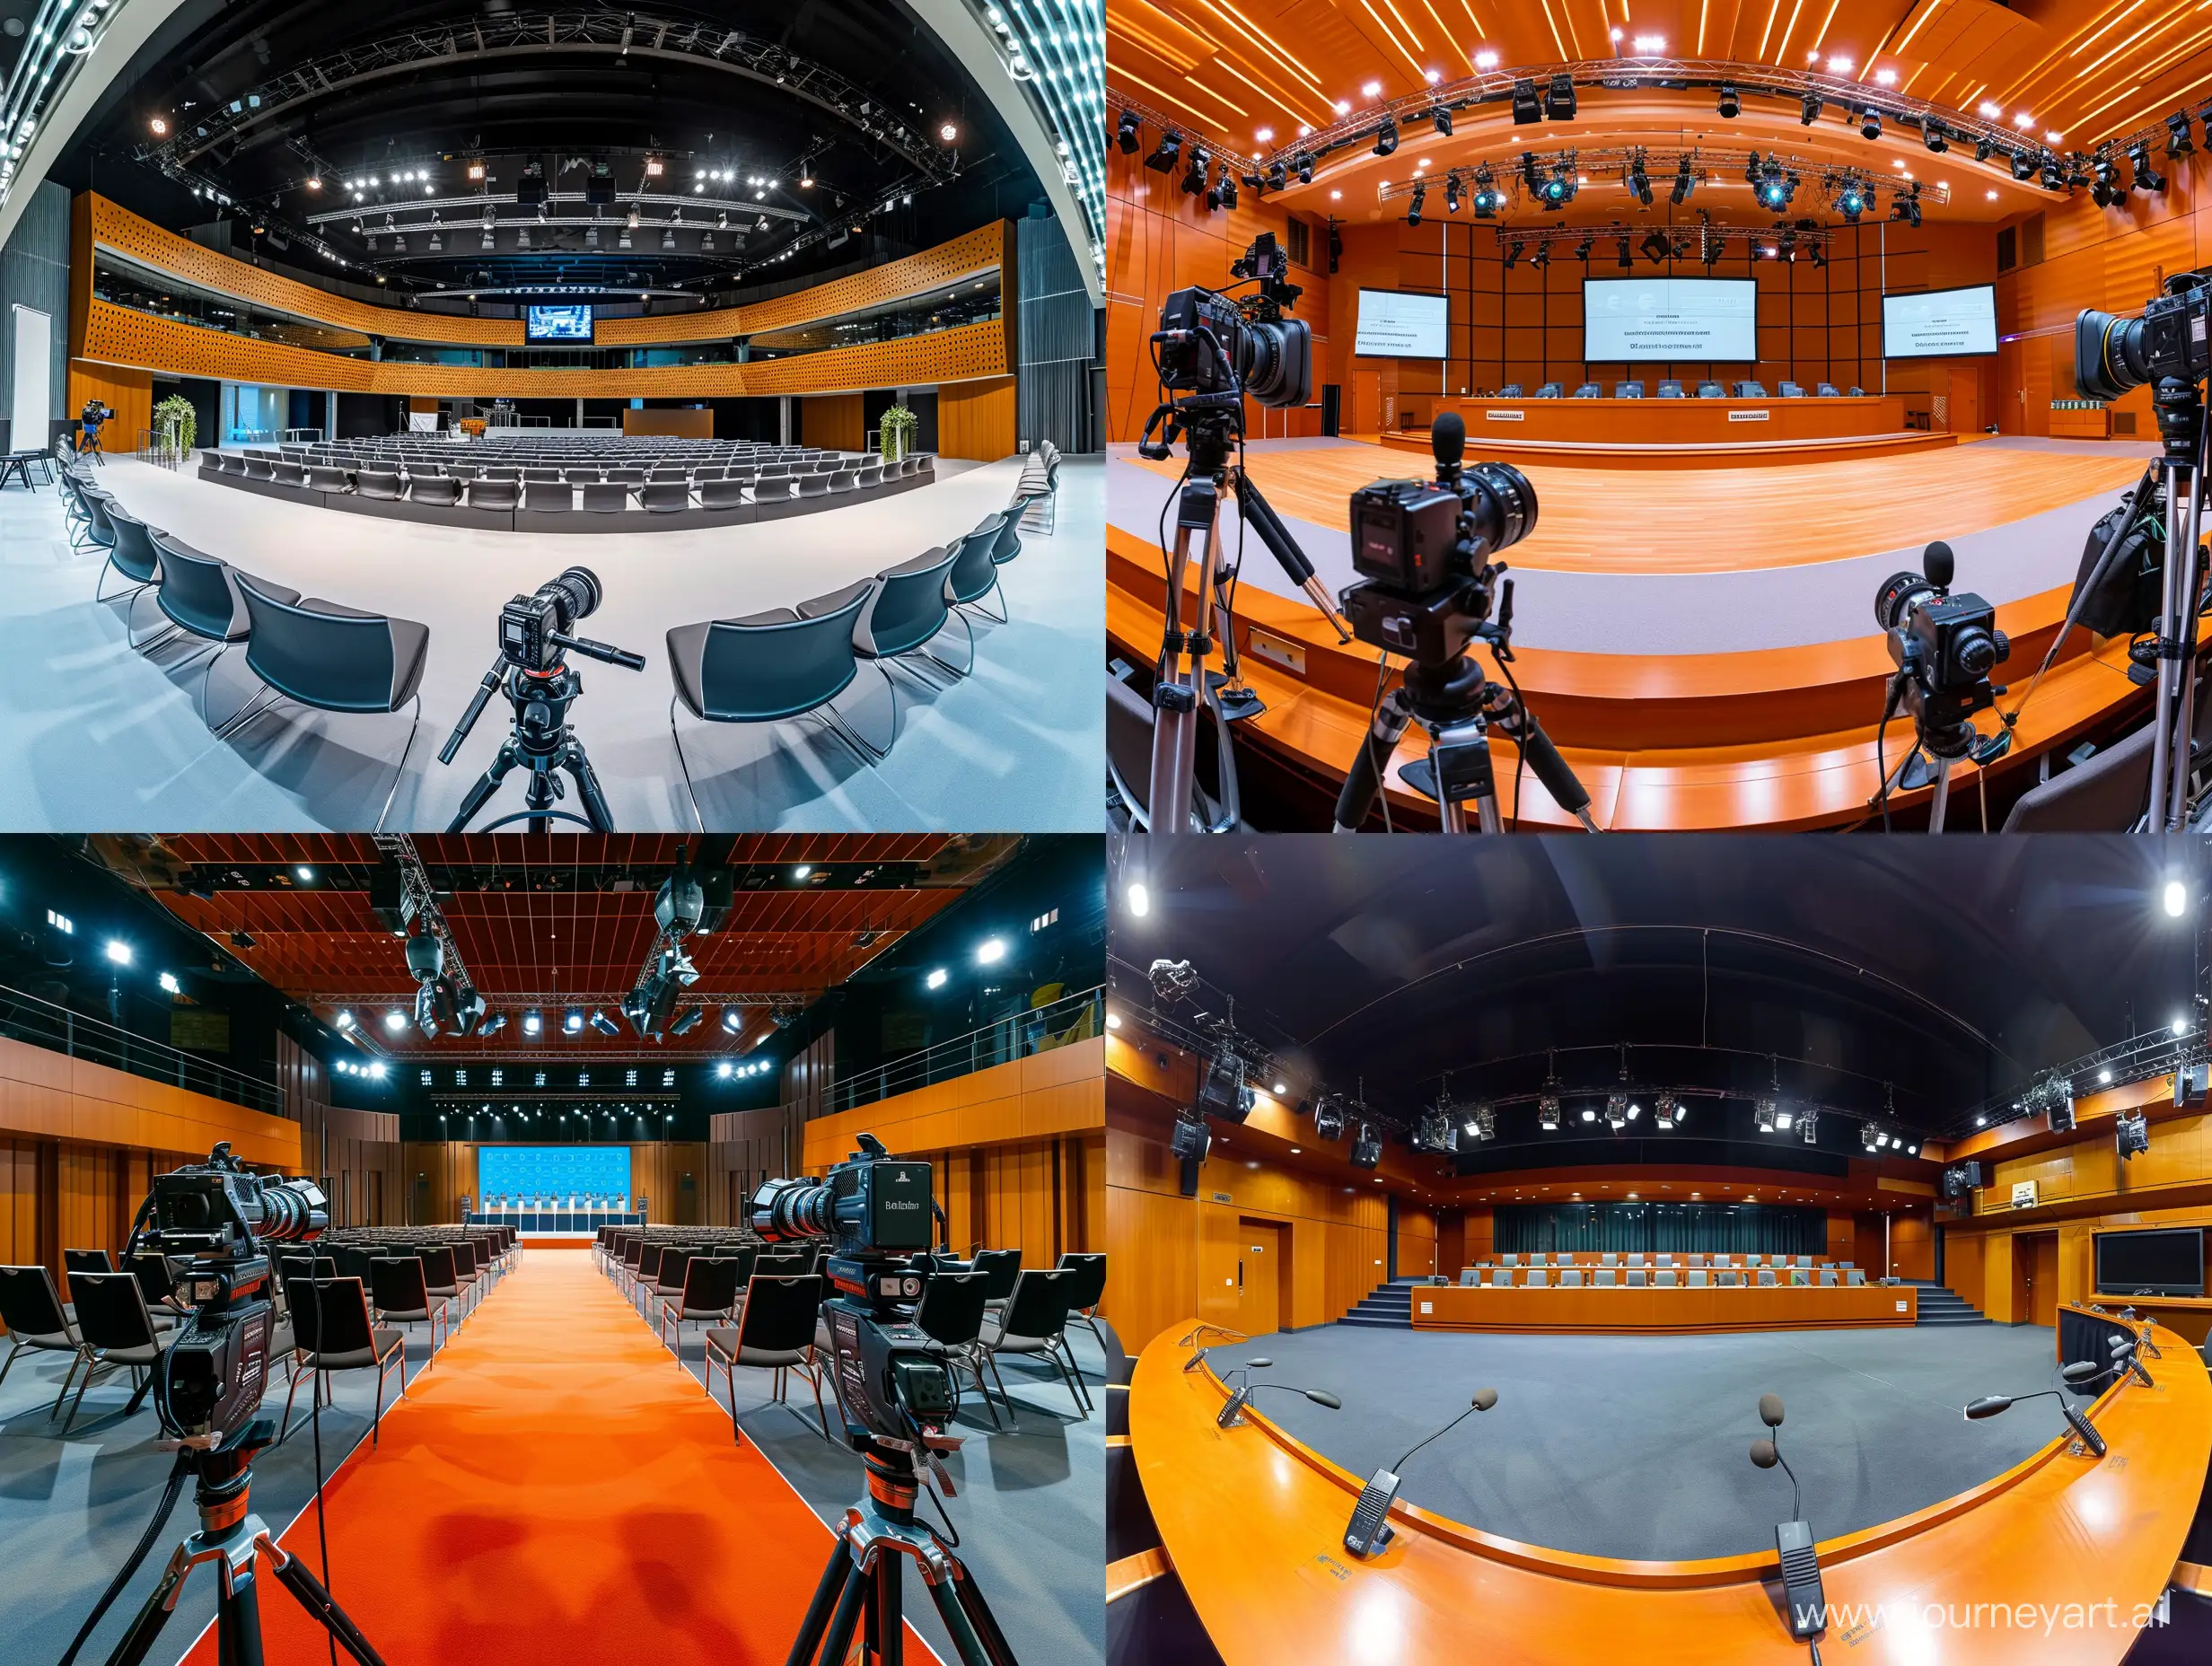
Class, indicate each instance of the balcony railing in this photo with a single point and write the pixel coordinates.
(1019, 1035)
(41, 1023)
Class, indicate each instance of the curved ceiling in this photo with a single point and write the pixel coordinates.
(1902, 984)
(1257, 76)
(750, 140)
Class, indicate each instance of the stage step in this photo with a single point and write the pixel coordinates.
(1387, 1307)
(1939, 1306)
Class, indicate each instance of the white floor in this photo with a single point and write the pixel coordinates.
(99, 735)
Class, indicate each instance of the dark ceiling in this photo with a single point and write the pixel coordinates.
(1902, 981)
(437, 98)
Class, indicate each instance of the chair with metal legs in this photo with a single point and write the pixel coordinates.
(975, 575)
(340, 1336)
(1086, 1289)
(32, 1309)
(131, 553)
(904, 613)
(117, 1332)
(200, 597)
(1033, 1323)
(402, 1292)
(950, 1315)
(776, 1334)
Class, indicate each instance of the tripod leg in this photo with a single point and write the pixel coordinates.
(827, 1590)
(486, 786)
(1363, 783)
(837, 1642)
(238, 1621)
(320, 1605)
(890, 1625)
(979, 1616)
(146, 1625)
(579, 770)
(960, 1624)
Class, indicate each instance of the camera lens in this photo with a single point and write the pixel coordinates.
(291, 1211)
(1275, 361)
(783, 1210)
(1503, 510)
(2108, 356)
(1975, 653)
(1901, 592)
(581, 585)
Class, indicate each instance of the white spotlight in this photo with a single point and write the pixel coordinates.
(2176, 898)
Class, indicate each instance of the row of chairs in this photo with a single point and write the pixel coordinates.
(1662, 1257)
(1673, 390)
(1662, 1277)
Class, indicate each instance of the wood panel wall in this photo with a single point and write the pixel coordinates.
(1024, 1100)
(976, 419)
(677, 422)
(130, 393)
(836, 421)
(357, 1155)
(49, 1095)
(1418, 1243)
(746, 1147)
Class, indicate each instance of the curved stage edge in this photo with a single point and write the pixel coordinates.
(1770, 739)
(1252, 1522)
(630, 519)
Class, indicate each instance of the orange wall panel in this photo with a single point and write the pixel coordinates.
(680, 421)
(49, 1095)
(976, 419)
(130, 393)
(834, 420)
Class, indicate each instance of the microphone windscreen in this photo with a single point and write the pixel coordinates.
(1763, 1454)
(1988, 1405)
(1447, 437)
(1770, 1410)
(1485, 1398)
(2082, 1370)
(1323, 1397)
(1258, 1365)
(1940, 563)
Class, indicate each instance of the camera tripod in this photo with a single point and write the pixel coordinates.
(1937, 747)
(230, 1537)
(862, 1584)
(1181, 682)
(1457, 703)
(542, 741)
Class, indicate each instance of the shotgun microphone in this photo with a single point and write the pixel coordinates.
(1370, 1528)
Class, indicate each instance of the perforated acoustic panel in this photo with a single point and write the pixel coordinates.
(980, 250)
(117, 336)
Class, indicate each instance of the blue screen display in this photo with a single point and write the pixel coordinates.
(557, 323)
(555, 1172)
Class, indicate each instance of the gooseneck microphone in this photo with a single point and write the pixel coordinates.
(1990, 1405)
(1370, 1528)
(1804, 1602)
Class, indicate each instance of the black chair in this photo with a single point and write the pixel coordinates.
(442, 1277)
(402, 1292)
(200, 597)
(668, 1276)
(1033, 1323)
(710, 1287)
(770, 667)
(775, 1333)
(443, 490)
(130, 552)
(335, 659)
(950, 1315)
(382, 483)
(99, 529)
(1003, 1267)
(496, 495)
(647, 1271)
(1086, 1289)
(2105, 793)
(339, 1336)
(1629, 389)
(32, 1309)
(664, 497)
(116, 1330)
(75, 1261)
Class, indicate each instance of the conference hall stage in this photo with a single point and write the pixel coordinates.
(1698, 639)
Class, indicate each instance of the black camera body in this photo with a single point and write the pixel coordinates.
(532, 627)
(1209, 343)
(2170, 342)
(872, 1202)
(1944, 643)
(215, 1218)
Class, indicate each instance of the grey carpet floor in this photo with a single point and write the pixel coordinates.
(1637, 1447)
(71, 1509)
(103, 735)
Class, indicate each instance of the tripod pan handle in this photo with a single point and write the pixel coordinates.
(484, 693)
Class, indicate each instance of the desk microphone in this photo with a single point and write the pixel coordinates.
(1370, 1529)
(2125, 1358)
(1232, 1412)
(1806, 1604)
(2081, 1370)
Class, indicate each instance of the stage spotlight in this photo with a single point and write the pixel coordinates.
(533, 1021)
(1420, 197)
(1306, 171)
(1386, 136)
(1560, 188)
(1731, 105)
(395, 1020)
(1125, 133)
(1809, 111)
(1548, 1111)
(1714, 249)
(1583, 248)
(1559, 98)
(1870, 123)
(1617, 1109)
(1655, 247)
(1329, 1119)
(2023, 165)
(1224, 194)
(1809, 1128)
(1984, 148)
(1871, 1138)
(2175, 899)
(1165, 153)
(1851, 201)
(2178, 142)
(1366, 1148)
(1763, 1113)
(1626, 259)
(1441, 118)
(1513, 253)
(571, 1022)
(1663, 1110)
(1820, 256)
(1194, 173)
(1684, 183)
(605, 1025)
(1279, 177)
(1640, 181)
(492, 1026)
(2132, 1133)
(1542, 257)
(2147, 178)
(1451, 193)
(1933, 135)
(1526, 108)
(1531, 174)
(689, 1022)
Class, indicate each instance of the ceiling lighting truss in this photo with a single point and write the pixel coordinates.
(1056, 50)
(1619, 167)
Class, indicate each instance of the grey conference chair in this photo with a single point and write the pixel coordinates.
(549, 496)
(1701, 1278)
(724, 494)
(500, 493)
(1607, 1278)
(1789, 391)
(583, 476)
(1766, 1276)
(285, 472)
(769, 667)
(1826, 391)
(1570, 1278)
(1669, 390)
(324, 477)
(1511, 390)
(260, 466)
(2104, 794)
(333, 658)
(436, 488)
(1729, 1278)
(1628, 390)
(1501, 1276)
(606, 497)
(130, 552)
(1710, 391)
(665, 496)
(380, 483)
(1664, 1278)
(974, 576)
(904, 613)
(1588, 391)
(1637, 1278)
(1750, 391)
(200, 597)
(1551, 391)
(1539, 1278)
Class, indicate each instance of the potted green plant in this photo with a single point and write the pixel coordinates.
(896, 435)
(176, 425)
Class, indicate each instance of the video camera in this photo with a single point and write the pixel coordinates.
(2170, 342)
(1943, 645)
(95, 413)
(879, 1211)
(216, 1217)
(533, 629)
(1424, 550)
(1210, 343)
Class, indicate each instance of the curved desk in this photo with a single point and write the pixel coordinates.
(1606, 1308)
(1665, 433)
(1253, 1522)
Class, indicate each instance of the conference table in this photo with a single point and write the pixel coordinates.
(1606, 1307)
(553, 1218)
(1253, 1522)
(1615, 434)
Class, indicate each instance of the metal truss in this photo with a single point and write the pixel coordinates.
(399, 849)
(1614, 165)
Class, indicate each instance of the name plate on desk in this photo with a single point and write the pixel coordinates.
(1504, 415)
(1749, 416)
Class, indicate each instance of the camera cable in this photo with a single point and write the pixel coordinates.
(170, 1494)
(1519, 740)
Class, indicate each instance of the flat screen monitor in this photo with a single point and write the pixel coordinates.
(1396, 325)
(555, 1171)
(2166, 1262)
(1940, 324)
(568, 324)
(1661, 320)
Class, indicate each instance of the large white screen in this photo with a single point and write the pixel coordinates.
(1397, 326)
(1944, 323)
(1659, 319)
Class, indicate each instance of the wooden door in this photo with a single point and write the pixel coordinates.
(2043, 1279)
(1262, 1280)
(1965, 401)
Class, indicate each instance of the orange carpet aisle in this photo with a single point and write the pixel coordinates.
(555, 1491)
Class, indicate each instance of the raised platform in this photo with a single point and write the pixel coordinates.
(1619, 1310)
(1506, 445)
